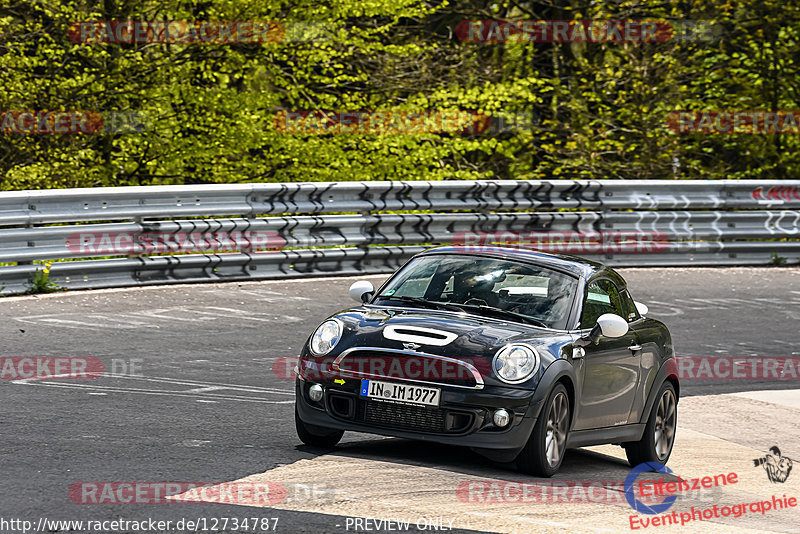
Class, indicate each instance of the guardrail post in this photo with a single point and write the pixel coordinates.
(365, 262)
(30, 243)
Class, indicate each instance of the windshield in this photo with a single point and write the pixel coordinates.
(497, 288)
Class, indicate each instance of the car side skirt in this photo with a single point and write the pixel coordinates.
(604, 436)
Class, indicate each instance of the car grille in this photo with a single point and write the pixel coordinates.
(390, 364)
(404, 416)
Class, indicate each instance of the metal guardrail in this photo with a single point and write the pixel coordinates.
(294, 229)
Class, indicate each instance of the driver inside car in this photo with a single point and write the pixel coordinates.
(477, 289)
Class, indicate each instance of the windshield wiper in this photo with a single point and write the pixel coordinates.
(423, 302)
(503, 313)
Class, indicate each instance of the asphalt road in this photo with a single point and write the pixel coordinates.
(203, 403)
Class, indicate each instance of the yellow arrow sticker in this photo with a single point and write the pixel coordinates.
(339, 381)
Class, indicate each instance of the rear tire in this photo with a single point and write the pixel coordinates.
(544, 452)
(659, 433)
(316, 436)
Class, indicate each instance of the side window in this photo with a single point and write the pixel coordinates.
(629, 307)
(445, 294)
(414, 282)
(413, 287)
(601, 297)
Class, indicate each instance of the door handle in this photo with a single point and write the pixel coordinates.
(635, 347)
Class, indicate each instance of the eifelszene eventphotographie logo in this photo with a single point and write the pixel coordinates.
(777, 467)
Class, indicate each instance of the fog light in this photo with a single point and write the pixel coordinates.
(315, 393)
(501, 417)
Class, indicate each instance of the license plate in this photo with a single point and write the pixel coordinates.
(403, 393)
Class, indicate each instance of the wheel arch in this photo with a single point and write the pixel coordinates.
(675, 384)
(667, 373)
(558, 372)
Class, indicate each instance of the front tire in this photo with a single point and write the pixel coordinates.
(659, 433)
(316, 436)
(544, 452)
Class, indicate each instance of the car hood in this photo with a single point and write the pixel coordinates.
(459, 336)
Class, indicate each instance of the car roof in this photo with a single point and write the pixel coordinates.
(562, 262)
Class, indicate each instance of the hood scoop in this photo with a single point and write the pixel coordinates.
(418, 334)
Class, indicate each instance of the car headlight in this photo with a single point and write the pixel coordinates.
(515, 363)
(326, 337)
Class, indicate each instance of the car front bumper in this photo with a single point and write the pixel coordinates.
(464, 416)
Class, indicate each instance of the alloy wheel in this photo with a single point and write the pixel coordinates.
(556, 437)
(666, 421)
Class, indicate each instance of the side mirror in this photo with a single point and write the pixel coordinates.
(641, 308)
(361, 291)
(608, 325)
(612, 325)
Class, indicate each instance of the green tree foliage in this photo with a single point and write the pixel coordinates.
(594, 110)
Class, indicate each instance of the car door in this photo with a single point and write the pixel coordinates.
(648, 335)
(610, 370)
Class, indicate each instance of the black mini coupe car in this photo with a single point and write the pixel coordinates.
(516, 354)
